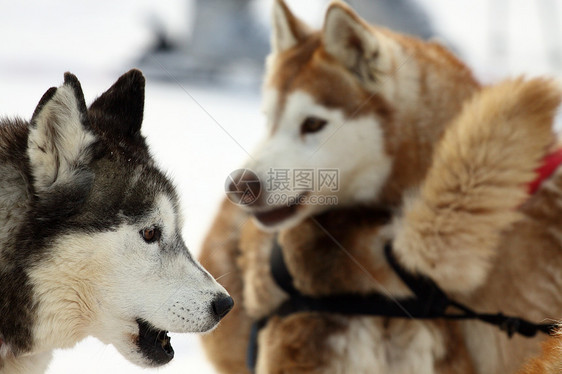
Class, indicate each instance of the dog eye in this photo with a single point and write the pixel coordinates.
(151, 234)
(312, 124)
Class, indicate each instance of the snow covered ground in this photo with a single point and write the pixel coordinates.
(201, 133)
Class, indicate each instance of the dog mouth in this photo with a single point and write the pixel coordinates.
(275, 216)
(154, 344)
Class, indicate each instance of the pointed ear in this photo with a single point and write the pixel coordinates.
(288, 30)
(350, 40)
(121, 107)
(59, 136)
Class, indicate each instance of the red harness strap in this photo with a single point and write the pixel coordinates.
(549, 166)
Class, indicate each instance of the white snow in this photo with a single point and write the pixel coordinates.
(199, 134)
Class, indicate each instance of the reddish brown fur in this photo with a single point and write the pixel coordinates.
(549, 362)
(311, 69)
(491, 149)
(303, 347)
(341, 251)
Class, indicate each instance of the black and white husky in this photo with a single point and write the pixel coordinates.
(90, 235)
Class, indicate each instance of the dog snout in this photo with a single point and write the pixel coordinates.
(221, 305)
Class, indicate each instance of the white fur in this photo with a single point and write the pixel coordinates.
(34, 364)
(353, 146)
(269, 107)
(57, 142)
(410, 348)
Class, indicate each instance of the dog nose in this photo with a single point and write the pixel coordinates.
(243, 187)
(222, 305)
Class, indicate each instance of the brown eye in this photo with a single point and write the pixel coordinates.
(312, 124)
(150, 235)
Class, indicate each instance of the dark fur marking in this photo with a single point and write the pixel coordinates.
(122, 106)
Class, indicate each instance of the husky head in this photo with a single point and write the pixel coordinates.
(348, 108)
(102, 238)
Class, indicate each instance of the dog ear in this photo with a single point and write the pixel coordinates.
(479, 178)
(120, 109)
(59, 136)
(350, 40)
(288, 30)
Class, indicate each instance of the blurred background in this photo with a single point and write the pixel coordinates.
(204, 60)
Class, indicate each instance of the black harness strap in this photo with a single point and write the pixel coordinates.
(280, 272)
(426, 289)
(429, 302)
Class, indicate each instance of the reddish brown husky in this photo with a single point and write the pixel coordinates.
(428, 161)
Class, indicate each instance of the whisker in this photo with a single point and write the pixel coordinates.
(222, 276)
